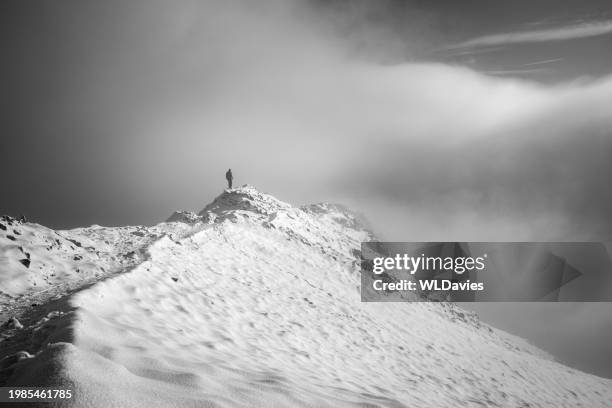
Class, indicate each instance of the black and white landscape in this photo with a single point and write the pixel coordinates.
(251, 302)
(427, 120)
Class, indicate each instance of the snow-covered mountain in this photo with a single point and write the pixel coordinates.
(251, 302)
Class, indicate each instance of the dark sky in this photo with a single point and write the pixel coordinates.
(440, 120)
(116, 112)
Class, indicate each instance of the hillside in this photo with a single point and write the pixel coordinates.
(251, 302)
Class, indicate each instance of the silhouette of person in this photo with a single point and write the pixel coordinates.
(229, 177)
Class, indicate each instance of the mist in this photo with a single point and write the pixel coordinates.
(159, 101)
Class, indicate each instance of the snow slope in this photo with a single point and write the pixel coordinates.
(258, 304)
(38, 263)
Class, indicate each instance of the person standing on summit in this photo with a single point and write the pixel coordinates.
(229, 177)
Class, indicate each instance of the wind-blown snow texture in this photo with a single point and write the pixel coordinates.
(254, 302)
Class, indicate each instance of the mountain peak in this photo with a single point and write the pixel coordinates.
(242, 199)
(246, 201)
(333, 228)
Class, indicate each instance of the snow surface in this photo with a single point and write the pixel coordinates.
(62, 261)
(257, 303)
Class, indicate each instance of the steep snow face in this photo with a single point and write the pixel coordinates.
(38, 263)
(260, 307)
(34, 258)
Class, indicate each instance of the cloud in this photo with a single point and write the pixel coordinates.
(426, 150)
(543, 62)
(581, 30)
(502, 72)
(486, 159)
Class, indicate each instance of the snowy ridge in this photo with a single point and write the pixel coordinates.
(187, 217)
(331, 228)
(258, 305)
